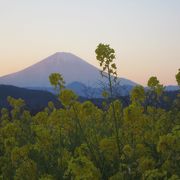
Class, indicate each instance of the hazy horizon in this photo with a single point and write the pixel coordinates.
(144, 34)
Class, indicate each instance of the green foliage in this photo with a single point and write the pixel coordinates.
(105, 55)
(154, 85)
(82, 168)
(178, 77)
(153, 82)
(109, 149)
(80, 141)
(57, 80)
(67, 97)
(138, 94)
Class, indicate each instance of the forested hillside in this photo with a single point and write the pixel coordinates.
(83, 141)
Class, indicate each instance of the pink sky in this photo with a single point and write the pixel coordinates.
(145, 35)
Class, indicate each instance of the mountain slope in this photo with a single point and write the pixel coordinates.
(70, 66)
(35, 100)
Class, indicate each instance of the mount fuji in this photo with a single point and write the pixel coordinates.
(73, 69)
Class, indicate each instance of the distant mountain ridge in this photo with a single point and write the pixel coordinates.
(35, 100)
(73, 69)
(172, 88)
